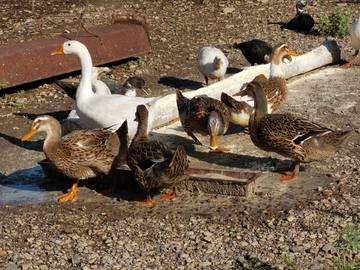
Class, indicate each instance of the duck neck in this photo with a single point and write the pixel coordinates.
(299, 10)
(141, 133)
(86, 73)
(53, 138)
(260, 107)
(275, 68)
(215, 123)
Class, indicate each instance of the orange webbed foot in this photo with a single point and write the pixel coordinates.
(70, 195)
(147, 201)
(106, 192)
(293, 172)
(347, 65)
(219, 150)
(169, 195)
(287, 177)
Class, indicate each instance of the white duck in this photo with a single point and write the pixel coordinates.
(212, 63)
(103, 111)
(355, 42)
(99, 87)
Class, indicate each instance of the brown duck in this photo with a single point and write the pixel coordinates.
(205, 115)
(80, 155)
(289, 135)
(275, 89)
(154, 165)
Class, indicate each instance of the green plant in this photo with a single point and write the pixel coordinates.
(348, 243)
(252, 263)
(11, 103)
(287, 260)
(336, 24)
(141, 61)
(3, 83)
(310, 227)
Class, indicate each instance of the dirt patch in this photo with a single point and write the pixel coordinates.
(329, 97)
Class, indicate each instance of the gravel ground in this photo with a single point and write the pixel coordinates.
(219, 232)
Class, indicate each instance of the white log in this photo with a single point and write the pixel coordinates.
(328, 52)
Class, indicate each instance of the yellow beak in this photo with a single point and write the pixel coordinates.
(290, 52)
(28, 134)
(59, 50)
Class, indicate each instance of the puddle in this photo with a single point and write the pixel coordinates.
(22, 187)
(21, 194)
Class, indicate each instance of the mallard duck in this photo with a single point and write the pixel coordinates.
(302, 20)
(103, 111)
(355, 42)
(108, 87)
(212, 63)
(255, 51)
(154, 165)
(289, 135)
(129, 88)
(205, 115)
(274, 87)
(80, 155)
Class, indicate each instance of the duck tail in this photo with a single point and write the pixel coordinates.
(227, 100)
(180, 99)
(179, 161)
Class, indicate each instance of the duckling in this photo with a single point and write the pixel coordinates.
(255, 51)
(205, 115)
(302, 20)
(288, 135)
(108, 87)
(152, 162)
(80, 155)
(355, 42)
(129, 88)
(212, 63)
(274, 87)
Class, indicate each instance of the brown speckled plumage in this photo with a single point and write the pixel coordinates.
(154, 165)
(203, 114)
(81, 154)
(289, 135)
(275, 89)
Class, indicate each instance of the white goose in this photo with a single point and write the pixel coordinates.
(212, 63)
(355, 42)
(103, 111)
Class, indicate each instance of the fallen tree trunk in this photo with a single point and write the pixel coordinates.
(328, 52)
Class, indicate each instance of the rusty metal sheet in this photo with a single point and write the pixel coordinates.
(32, 60)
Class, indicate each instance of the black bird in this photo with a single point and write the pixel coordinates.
(302, 20)
(255, 51)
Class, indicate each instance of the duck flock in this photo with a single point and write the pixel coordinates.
(112, 126)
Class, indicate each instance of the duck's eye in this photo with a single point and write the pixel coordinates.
(69, 44)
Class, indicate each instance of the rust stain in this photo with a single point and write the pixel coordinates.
(31, 60)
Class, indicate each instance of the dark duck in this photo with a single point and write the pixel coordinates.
(302, 20)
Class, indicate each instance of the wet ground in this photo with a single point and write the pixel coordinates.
(30, 184)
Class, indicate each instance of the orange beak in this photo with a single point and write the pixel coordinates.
(28, 134)
(59, 50)
(290, 52)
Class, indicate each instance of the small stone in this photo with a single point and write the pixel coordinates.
(290, 218)
(298, 249)
(21, 100)
(327, 192)
(28, 257)
(228, 10)
(327, 247)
